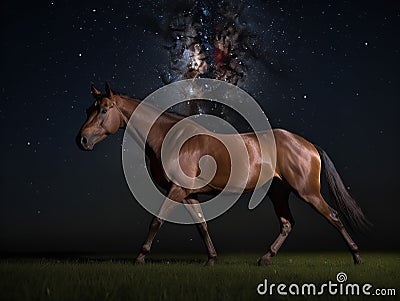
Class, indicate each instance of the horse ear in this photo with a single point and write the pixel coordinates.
(109, 92)
(94, 91)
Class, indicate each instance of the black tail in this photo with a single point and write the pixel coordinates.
(348, 207)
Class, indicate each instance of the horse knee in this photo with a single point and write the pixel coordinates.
(286, 226)
(156, 223)
(203, 226)
(334, 216)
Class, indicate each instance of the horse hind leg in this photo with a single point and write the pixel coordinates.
(319, 204)
(349, 241)
(279, 195)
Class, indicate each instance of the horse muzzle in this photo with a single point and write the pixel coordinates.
(86, 143)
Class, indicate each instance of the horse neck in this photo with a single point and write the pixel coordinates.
(126, 107)
(144, 121)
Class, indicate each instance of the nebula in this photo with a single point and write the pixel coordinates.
(208, 40)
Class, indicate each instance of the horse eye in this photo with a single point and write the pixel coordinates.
(103, 111)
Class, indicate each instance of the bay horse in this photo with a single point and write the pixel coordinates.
(298, 167)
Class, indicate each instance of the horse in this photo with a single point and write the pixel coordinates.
(299, 164)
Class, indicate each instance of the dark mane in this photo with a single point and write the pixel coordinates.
(168, 113)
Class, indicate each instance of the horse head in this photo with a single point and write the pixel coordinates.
(103, 118)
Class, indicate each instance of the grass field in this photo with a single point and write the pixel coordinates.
(184, 277)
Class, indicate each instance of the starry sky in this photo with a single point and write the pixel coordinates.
(329, 71)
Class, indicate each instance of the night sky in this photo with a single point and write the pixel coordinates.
(329, 72)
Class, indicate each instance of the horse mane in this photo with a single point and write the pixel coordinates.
(174, 115)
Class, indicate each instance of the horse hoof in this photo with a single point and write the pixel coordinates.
(139, 261)
(210, 262)
(357, 259)
(264, 261)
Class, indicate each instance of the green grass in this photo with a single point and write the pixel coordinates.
(184, 277)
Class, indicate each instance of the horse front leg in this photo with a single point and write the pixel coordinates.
(194, 208)
(177, 194)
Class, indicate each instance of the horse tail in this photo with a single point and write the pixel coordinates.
(348, 206)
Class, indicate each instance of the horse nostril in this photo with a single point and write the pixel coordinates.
(84, 141)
